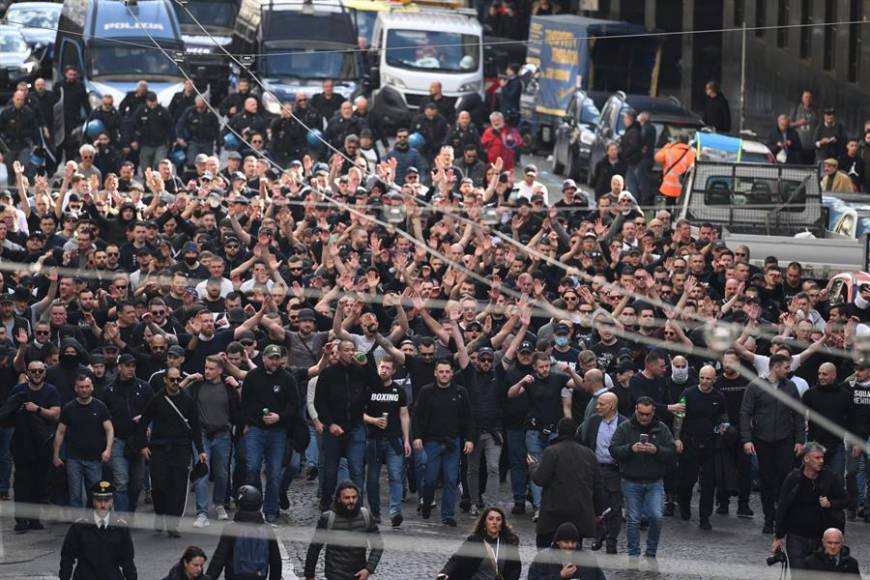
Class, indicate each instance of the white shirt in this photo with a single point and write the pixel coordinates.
(101, 522)
(525, 190)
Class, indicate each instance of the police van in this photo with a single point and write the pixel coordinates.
(106, 41)
(295, 45)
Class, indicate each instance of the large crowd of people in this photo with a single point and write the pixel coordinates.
(270, 305)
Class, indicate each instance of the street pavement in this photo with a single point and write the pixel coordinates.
(735, 548)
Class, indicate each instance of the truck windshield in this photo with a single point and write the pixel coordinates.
(365, 23)
(431, 50)
(217, 16)
(309, 64)
(127, 62)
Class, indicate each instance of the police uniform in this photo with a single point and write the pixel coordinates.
(98, 547)
(20, 131)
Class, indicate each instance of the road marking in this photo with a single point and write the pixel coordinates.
(287, 572)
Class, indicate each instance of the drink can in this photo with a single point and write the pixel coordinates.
(386, 417)
(360, 357)
(265, 411)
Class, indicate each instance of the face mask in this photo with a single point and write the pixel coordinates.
(861, 303)
(190, 260)
(680, 375)
(561, 341)
(69, 360)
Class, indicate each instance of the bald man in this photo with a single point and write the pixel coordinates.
(593, 383)
(695, 437)
(596, 433)
(833, 557)
(833, 400)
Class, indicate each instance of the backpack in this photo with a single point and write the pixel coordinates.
(251, 552)
(366, 514)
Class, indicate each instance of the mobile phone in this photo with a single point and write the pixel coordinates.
(644, 438)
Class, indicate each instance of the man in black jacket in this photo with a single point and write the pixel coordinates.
(270, 400)
(288, 138)
(433, 127)
(833, 401)
(340, 398)
(833, 557)
(198, 129)
(345, 560)
(19, 130)
(812, 500)
(631, 146)
(152, 127)
(772, 431)
(717, 114)
(75, 102)
(444, 427)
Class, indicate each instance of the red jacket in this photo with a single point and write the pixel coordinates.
(495, 143)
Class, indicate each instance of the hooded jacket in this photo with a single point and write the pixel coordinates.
(63, 375)
(548, 566)
(125, 400)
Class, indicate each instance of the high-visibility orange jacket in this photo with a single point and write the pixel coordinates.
(676, 158)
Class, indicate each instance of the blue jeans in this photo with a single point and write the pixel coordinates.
(516, 441)
(418, 456)
(312, 452)
(352, 445)
(6, 458)
(857, 469)
(835, 460)
(218, 450)
(82, 472)
(265, 445)
(442, 461)
(643, 498)
(387, 450)
(128, 476)
(536, 442)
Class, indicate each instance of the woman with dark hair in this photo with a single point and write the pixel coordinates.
(490, 553)
(190, 567)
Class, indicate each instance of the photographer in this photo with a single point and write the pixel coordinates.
(811, 501)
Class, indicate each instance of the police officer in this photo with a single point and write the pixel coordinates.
(75, 101)
(100, 546)
(110, 117)
(234, 102)
(151, 131)
(695, 439)
(19, 130)
(182, 101)
(248, 122)
(288, 138)
(197, 129)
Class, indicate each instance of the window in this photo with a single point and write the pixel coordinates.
(854, 39)
(739, 12)
(760, 17)
(782, 22)
(70, 56)
(830, 35)
(763, 192)
(806, 28)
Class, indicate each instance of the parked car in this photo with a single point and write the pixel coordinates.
(667, 115)
(38, 22)
(18, 61)
(731, 149)
(575, 133)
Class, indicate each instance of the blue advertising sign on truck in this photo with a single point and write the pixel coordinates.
(571, 52)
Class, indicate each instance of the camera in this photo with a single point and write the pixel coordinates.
(777, 557)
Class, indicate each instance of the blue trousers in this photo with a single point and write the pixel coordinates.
(265, 445)
(352, 445)
(643, 499)
(442, 460)
(389, 451)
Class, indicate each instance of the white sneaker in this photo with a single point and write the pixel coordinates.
(536, 516)
(201, 521)
(221, 513)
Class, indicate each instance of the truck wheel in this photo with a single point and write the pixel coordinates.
(528, 145)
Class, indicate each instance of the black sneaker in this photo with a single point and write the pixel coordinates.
(685, 514)
(851, 513)
(283, 501)
(396, 520)
(768, 528)
(744, 511)
(518, 509)
(36, 525)
(465, 505)
(4, 496)
(173, 534)
(705, 524)
(148, 499)
(611, 548)
(669, 509)
(21, 527)
(722, 510)
(449, 522)
(425, 511)
(312, 473)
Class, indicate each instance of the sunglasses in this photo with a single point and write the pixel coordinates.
(172, 379)
(36, 371)
(42, 332)
(113, 254)
(121, 286)
(247, 342)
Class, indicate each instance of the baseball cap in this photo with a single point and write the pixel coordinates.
(562, 328)
(527, 346)
(175, 350)
(234, 155)
(530, 169)
(568, 184)
(200, 159)
(272, 350)
(126, 359)
(307, 314)
(485, 350)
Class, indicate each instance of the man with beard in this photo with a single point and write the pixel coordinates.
(270, 402)
(109, 116)
(206, 341)
(406, 157)
(340, 398)
(126, 397)
(33, 407)
(304, 344)
(346, 560)
(444, 428)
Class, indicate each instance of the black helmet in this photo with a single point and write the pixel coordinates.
(249, 498)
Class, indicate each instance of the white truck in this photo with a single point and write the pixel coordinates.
(416, 46)
(776, 210)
